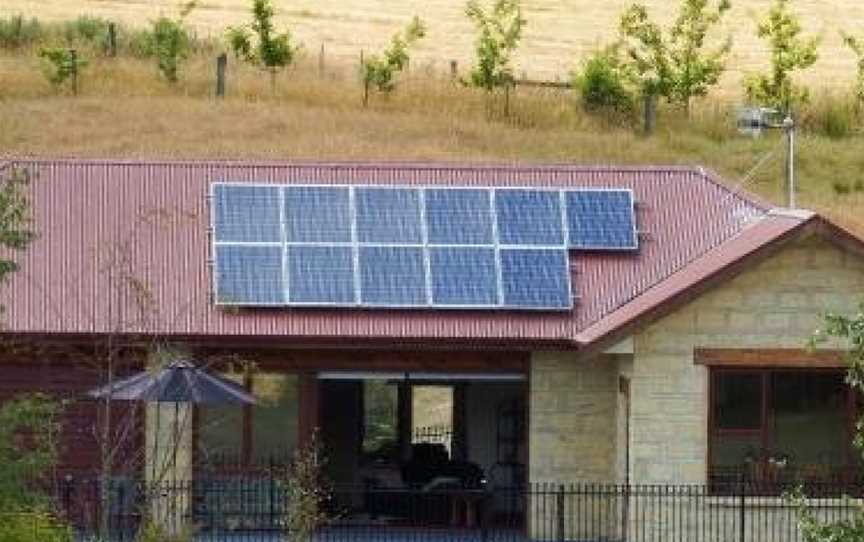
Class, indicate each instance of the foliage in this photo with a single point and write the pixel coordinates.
(15, 218)
(272, 50)
(171, 42)
(499, 31)
(35, 526)
(379, 71)
(676, 66)
(17, 32)
(306, 491)
(28, 429)
(61, 65)
(86, 29)
(857, 47)
(850, 330)
(790, 52)
(605, 82)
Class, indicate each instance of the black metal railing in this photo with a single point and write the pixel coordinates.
(254, 509)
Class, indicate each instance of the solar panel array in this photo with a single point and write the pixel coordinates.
(433, 247)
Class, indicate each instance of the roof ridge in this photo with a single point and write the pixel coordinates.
(367, 164)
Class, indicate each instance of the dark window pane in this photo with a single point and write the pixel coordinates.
(380, 419)
(274, 416)
(220, 429)
(810, 422)
(738, 401)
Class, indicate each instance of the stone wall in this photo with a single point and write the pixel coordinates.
(775, 304)
(572, 418)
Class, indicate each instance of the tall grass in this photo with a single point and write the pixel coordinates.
(125, 109)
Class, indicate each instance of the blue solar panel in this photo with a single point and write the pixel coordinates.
(464, 276)
(535, 278)
(246, 213)
(317, 214)
(249, 275)
(458, 217)
(392, 276)
(601, 219)
(529, 217)
(321, 274)
(388, 215)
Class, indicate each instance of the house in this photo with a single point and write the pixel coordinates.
(666, 346)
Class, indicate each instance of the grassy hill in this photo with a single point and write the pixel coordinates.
(558, 33)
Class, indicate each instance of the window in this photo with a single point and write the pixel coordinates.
(380, 420)
(782, 426)
(252, 434)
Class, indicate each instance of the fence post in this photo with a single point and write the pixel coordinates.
(221, 65)
(73, 59)
(112, 39)
(321, 62)
(454, 69)
(559, 514)
(742, 535)
(650, 112)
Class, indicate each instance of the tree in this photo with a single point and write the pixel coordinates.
(273, 50)
(857, 47)
(676, 66)
(850, 330)
(379, 71)
(790, 52)
(15, 217)
(498, 33)
(605, 82)
(171, 42)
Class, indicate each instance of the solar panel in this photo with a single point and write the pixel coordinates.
(529, 217)
(249, 275)
(317, 214)
(392, 276)
(458, 216)
(454, 247)
(463, 276)
(535, 278)
(388, 215)
(246, 213)
(321, 275)
(601, 219)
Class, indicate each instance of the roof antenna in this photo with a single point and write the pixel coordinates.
(789, 128)
(753, 120)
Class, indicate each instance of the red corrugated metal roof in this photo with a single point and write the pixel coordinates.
(118, 238)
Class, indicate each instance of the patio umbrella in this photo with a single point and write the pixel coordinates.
(178, 382)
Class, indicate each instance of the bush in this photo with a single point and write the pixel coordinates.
(17, 32)
(604, 83)
(33, 527)
(86, 29)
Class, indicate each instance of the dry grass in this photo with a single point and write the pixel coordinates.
(558, 34)
(124, 110)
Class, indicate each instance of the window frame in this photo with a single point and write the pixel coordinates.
(767, 440)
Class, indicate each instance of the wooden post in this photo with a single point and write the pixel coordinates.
(454, 69)
(73, 59)
(112, 39)
(221, 65)
(650, 112)
(321, 62)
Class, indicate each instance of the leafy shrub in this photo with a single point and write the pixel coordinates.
(604, 83)
(86, 29)
(61, 65)
(790, 52)
(272, 50)
(17, 32)
(35, 526)
(379, 71)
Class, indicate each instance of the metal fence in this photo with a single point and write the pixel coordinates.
(251, 509)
